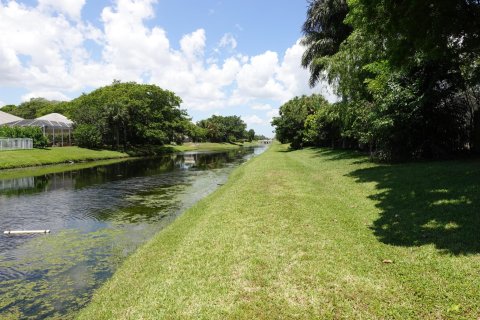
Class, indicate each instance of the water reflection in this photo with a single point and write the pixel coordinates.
(98, 216)
(101, 174)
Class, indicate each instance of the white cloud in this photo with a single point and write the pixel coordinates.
(2, 104)
(257, 78)
(193, 45)
(49, 95)
(295, 78)
(261, 107)
(40, 57)
(228, 41)
(71, 8)
(273, 113)
(53, 60)
(253, 120)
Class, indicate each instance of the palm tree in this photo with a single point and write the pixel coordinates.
(324, 31)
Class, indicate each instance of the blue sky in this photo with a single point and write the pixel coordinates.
(225, 57)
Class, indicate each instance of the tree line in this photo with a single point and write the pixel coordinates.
(407, 74)
(124, 115)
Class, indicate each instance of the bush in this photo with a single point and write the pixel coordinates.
(88, 136)
(34, 133)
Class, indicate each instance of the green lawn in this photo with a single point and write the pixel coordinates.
(43, 170)
(190, 146)
(37, 157)
(304, 235)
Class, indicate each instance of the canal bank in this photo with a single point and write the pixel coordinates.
(99, 213)
(312, 234)
(59, 155)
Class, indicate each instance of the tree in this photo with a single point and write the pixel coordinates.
(408, 73)
(223, 128)
(427, 46)
(87, 136)
(251, 135)
(324, 31)
(36, 107)
(132, 114)
(290, 124)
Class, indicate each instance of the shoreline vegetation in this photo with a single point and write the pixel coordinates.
(21, 159)
(313, 233)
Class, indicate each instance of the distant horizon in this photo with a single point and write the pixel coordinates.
(220, 58)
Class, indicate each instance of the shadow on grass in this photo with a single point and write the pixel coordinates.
(428, 203)
(341, 154)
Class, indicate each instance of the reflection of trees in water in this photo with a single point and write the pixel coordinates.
(123, 170)
(30, 185)
(67, 266)
(25, 185)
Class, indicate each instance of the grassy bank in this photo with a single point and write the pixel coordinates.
(311, 234)
(43, 170)
(38, 157)
(189, 146)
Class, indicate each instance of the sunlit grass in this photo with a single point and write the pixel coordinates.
(38, 157)
(191, 146)
(307, 234)
(55, 168)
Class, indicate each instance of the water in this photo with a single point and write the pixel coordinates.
(98, 216)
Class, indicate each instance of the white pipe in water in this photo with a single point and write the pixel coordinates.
(25, 231)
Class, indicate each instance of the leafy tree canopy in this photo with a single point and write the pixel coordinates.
(132, 113)
(408, 73)
(224, 128)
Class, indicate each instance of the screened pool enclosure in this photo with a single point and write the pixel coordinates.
(57, 128)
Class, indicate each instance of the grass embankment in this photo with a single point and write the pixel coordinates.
(191, 146)
(49, 169)
(140, 151)
(38, 157)
(305, 234)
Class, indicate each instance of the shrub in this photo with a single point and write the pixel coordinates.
(88, 136)
(34, 133)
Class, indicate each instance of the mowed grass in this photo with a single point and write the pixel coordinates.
(304, 235)
(49, 169)
(38, 157)
(210, 146)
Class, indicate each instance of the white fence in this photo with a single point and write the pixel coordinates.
(15, 143)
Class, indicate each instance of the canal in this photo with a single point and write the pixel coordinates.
(98, 216)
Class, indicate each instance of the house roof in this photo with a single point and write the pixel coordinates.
(7, 117)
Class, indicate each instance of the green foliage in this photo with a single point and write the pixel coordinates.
(37, 107)
(314, 225)
(408, 73)
(324, 31)
(260, 137)
(290, 124)
(196, 133)
(35, 133)
(87, 136)
(40, 157)
(250, 135)
(131, 114)
(223, 128)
